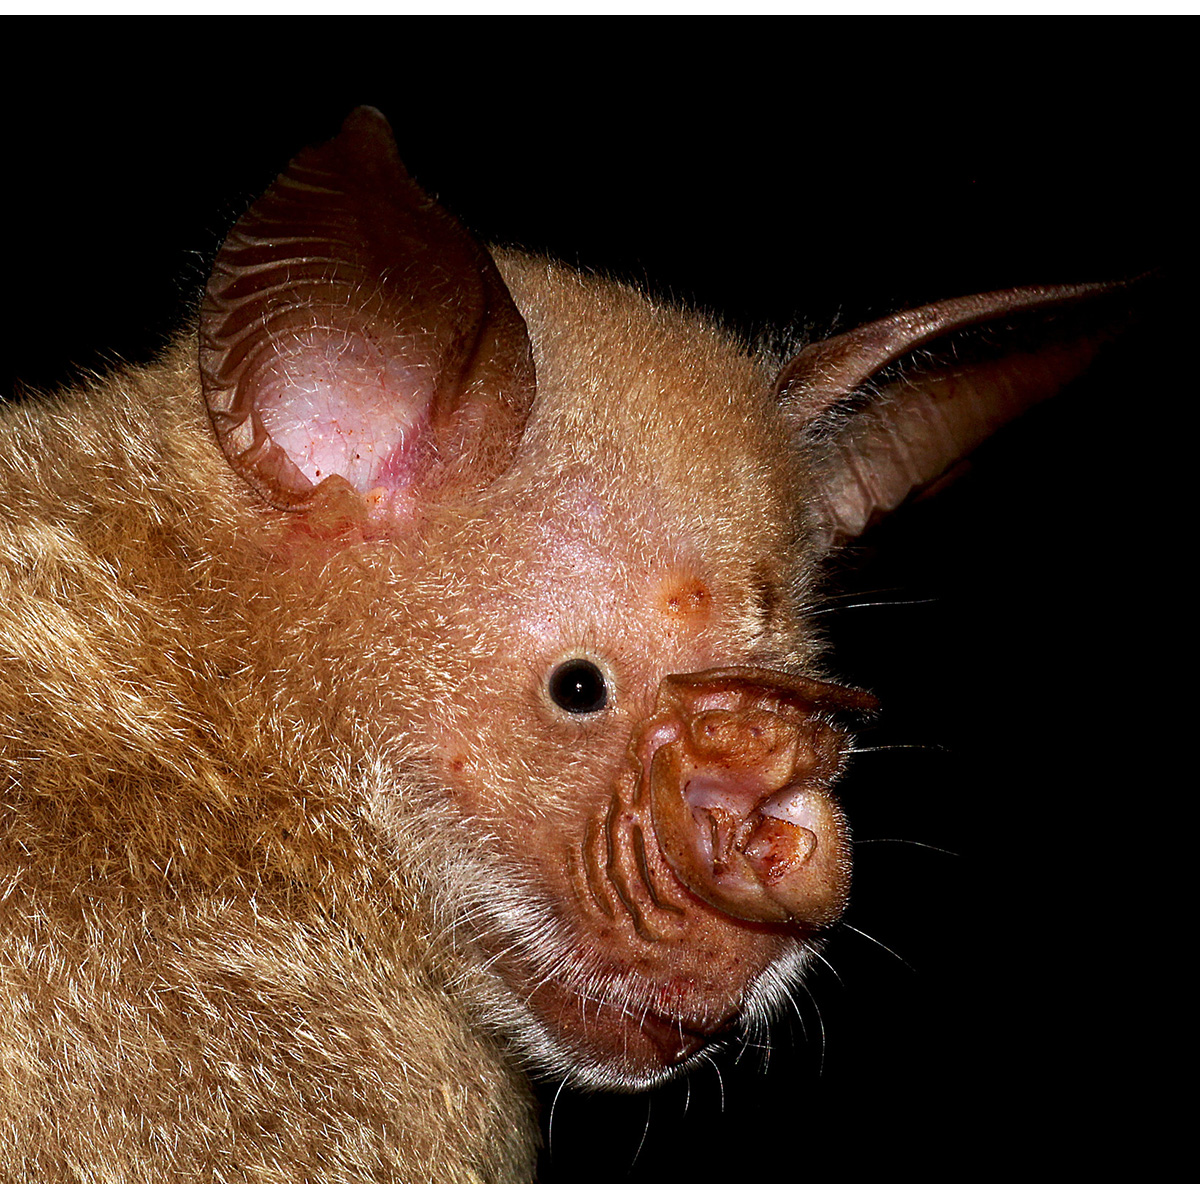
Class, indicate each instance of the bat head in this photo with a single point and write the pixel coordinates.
(580, 532)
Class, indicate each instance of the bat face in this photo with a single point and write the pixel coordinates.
(599, 522)
(643, 555)
(669, 537)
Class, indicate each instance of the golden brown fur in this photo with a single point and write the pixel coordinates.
(211, 967)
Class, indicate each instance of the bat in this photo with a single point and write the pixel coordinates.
(417, 680)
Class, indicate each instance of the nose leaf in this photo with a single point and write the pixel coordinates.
(741, 796)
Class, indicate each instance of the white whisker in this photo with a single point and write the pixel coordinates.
(899, 746)
(904, 842)
(820, 1024)
(645, 1132)
(835, 607)
(877, 942)
(825, 962)
(716, 1066)
(550, 1120)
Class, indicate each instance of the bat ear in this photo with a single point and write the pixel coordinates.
(919, 423)
(352, 331)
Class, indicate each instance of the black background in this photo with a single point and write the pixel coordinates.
(782, 172)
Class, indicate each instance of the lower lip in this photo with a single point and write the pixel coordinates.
(675, 1042)
(639, 1038)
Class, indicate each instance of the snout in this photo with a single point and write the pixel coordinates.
(738, 766)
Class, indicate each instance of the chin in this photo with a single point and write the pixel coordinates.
(602, 1028)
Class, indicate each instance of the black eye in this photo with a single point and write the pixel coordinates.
(578, 686)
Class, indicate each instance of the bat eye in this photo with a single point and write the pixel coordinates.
(578, 686)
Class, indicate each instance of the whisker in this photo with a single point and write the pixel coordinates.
(791, 999)
(739, 1048)
(884, 591)
(764, 1055)
(827, 964)
(900, 746)
(839, 597)
(881, 945)
(751, 1043)
(835, 606)
(720, 1083)
(550, 1121)
(905, 842)
(820, 1025)
(645, 1131)
(799, 1018)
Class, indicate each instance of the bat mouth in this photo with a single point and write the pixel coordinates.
(606, 1036)
(678, 1041)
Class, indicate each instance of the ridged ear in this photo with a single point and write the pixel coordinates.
(917, 426)
(353, 329)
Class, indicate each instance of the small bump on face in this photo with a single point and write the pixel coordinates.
(686, 598)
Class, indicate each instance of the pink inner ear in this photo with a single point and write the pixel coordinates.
(337, 402)
(353, 329)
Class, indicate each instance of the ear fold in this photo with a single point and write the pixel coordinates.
(353, 329)
(916, 427)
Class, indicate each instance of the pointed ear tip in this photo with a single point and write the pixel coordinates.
(368, 116)
(368, 124)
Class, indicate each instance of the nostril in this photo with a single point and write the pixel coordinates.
(716, 732)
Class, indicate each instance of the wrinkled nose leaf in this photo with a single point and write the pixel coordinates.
(740, 766)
